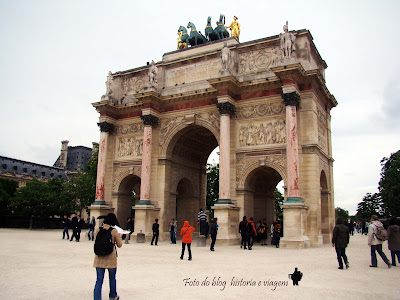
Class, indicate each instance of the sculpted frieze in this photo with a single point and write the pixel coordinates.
(259, 60)
(322, 137)
(129, 128)
(134, 84)
(321, 116)
(272, 132)
(129, 146)
(260, 110)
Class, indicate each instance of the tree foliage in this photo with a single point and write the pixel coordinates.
(8, 189)
(370, 205)
(212, 172)
(389, 185)
(342, 213)
(278, 204)
(43, 199)
(84, 183)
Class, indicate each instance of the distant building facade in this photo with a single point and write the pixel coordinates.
(70, 162)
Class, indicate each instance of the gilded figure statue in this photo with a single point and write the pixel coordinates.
(181, 44)
(234, 27)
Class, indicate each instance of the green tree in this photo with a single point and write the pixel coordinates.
(212, 172)
(342, 213)
(8, 189)
(370, 205)
(84, 183)
(278, 204)
(389, 185)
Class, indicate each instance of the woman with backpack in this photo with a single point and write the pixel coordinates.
(106, 239)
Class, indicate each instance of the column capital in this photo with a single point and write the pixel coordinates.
(149, 120)
(106, 127)
(291, 99)
(226, 108)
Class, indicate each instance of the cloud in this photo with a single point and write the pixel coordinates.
(391, 103)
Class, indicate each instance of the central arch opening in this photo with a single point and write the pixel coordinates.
(188, 153)
(259, 201)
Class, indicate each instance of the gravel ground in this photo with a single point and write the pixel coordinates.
(39, 264)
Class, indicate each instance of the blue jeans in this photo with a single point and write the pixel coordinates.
(173, 237)
(91, 230)
(99, 283)
(65, 232)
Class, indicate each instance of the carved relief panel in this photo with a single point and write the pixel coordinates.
(322, 130)
(259, 60)
(266, 133)
(129, 146)
(260, 110)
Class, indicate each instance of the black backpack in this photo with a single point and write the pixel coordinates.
(103, 244)
(249, 227)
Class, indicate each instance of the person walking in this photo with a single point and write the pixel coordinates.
(394, 240)
(263, 232)
(74, 226)
(375, 243)
(277, 233)
(79, 227)
(109, 262)
(340, 239)
(251, 233)
(202, 221)
(243, 232)
(213, 231)
(186, 233)
(66, 224)
(156, 232)
(92, 225)
(172, 230)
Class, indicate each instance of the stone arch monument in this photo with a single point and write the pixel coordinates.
(268, 110)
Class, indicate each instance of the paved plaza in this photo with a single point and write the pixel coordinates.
(38, 264)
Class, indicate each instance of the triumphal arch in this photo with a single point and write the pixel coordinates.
(263, 102)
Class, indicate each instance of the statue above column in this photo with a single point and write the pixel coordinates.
(287, 42)
(152, 76)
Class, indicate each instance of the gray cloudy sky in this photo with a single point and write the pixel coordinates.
(55, 56)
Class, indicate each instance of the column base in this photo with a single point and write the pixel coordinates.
(300, 242)
(145, 216)
(228, 220)
(100, 208)
(294, 225)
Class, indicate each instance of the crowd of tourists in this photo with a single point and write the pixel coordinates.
(107, 239)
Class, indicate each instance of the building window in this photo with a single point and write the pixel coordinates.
(15, 168)
(34, 172)
(25, 170)
(4, 166)
(43, 173)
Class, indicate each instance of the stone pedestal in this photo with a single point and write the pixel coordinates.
(140, 237)
(201, 241)
(97, 210)
(144, 219)
(294, 225)
(228, 221)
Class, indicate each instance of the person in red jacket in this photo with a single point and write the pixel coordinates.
(186, 233)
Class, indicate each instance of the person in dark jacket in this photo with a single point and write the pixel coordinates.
(79, 227)
(243, 232)
(340, 239)
(394, 240)
(66, 224)
(213, 232)
(251, 233)
(156, 232)
(74, 226)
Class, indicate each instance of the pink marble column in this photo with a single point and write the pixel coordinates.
(226, 109)
(105, 129)
(148, 121)
(292, 101)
